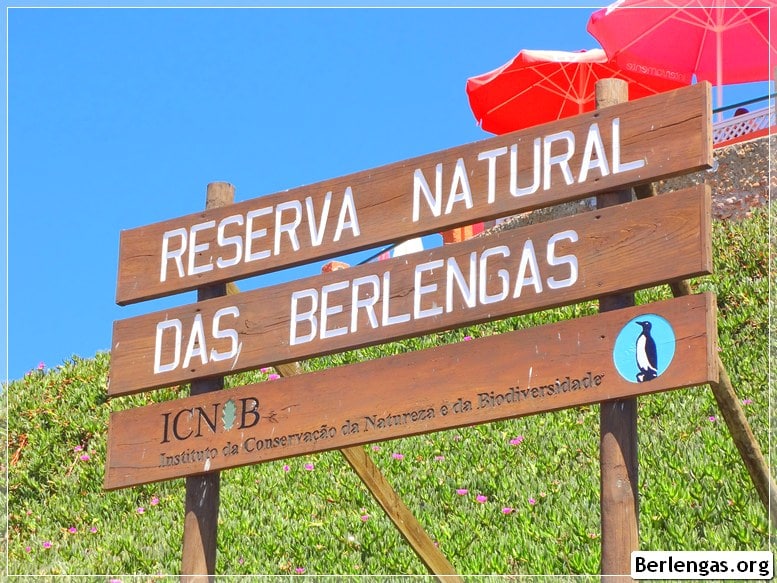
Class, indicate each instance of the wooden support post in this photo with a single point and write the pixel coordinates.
(202, 492)
(733, 414)
(617, 420)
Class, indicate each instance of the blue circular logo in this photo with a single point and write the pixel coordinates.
(644, 348)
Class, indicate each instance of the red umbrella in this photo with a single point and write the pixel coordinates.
(721, 41)
(540, 86)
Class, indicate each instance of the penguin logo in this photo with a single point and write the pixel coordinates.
(647, 356)
(644, 348)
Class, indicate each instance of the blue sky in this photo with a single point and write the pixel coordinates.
(118, 118)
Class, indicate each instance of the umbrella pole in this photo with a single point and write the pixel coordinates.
(719, 73)
(619, 500)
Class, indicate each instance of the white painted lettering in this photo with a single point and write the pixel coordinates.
(251, 235)
(224, 241)
(367, 303)
(229, 333)
(297, 317)
(461, 181)
(317, 231)
(176, 326)
(194, 248)
(617, 167)
(387, 319)
(434, 201)
(491, 156)
(570, 260)
(175, 254)
(593, 142)
(515, 190)
(196, 345)
(528, 261)
(328, 310)
(502, 274)
(561, 159)
(421, 290)
(467, 289)
(290, 228)
(348, 208)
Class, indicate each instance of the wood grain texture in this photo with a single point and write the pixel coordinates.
(618, 488)
(201, 503)
(509, 375)
(621, 248)
(670, 132)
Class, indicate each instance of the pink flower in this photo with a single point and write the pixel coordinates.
(747, 401)
(532, 501)
(46, 544)
(273, 377)
(507, 510)
(265, 369)
(299, 570)
(462, 491)
(78, 448)
(482, 499)
(241, 560)
(375, 448)
(286, 467)
(154, 501)
(467, 338)
(84, 457)
(93, 529)
(365, 517)
(140, 510)
(516, 440)
(28, 549)
(712, 418)
(41, 366)
(398, 456)
(72, 530)
(439, 458)
(309, 467)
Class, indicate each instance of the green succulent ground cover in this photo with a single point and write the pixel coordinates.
(512, 497)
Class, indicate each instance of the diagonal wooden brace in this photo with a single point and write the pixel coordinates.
(733, 414)
(386, 496)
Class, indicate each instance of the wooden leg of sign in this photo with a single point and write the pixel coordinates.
(735, 419)
(388, 499)
(399, 514)
(202, 492)
(392, 504)
(733, 414)
(617, 422)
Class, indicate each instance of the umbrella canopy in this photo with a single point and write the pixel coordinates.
(720, 41)
(540, 86)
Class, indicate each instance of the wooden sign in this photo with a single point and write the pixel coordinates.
(558, 262)
(637, 142)
(576, 362)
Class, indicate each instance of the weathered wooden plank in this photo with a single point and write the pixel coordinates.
(520, 271)
(640, 141)
(576, 362)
